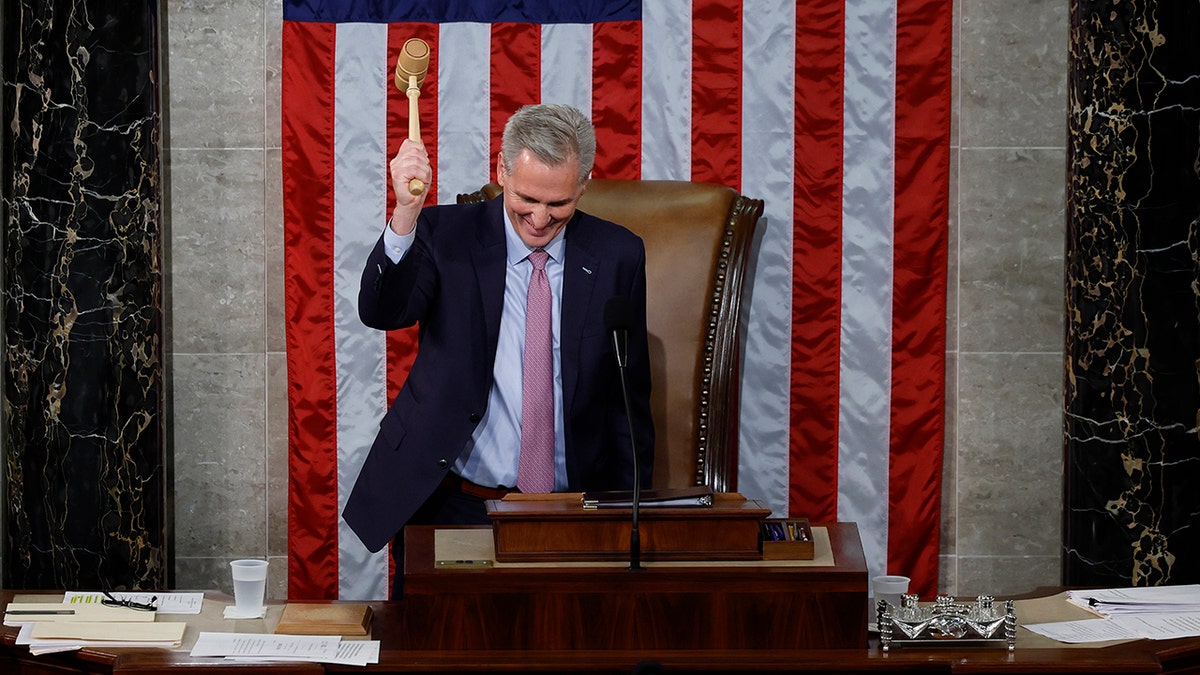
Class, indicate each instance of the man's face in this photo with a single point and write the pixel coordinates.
(540, 199)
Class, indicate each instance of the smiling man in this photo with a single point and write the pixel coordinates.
(515, 385)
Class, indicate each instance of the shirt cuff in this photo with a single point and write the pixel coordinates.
(396, 245)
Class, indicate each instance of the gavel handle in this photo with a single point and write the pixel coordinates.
(416, 186)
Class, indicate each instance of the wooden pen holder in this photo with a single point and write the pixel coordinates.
(786, 539)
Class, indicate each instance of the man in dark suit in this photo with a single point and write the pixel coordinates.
(453, 436)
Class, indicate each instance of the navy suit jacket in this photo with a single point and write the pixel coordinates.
(451, 284)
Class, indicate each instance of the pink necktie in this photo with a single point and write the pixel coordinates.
(536, 470)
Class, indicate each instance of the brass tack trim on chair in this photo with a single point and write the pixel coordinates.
(720, 472)
(710, 345)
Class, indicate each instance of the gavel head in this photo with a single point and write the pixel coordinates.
(413, 60)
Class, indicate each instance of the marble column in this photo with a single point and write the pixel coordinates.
(82, 261)
(1132, 497)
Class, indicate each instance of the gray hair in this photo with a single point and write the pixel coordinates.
(554, 133)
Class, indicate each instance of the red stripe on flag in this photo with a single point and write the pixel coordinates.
(817, 261)
(617, 99)
(516, 75)
(717, 92)
(919, 310)
(308, 161)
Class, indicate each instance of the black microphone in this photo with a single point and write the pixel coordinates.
(618, 319)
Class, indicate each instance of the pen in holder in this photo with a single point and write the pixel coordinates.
(786, 539)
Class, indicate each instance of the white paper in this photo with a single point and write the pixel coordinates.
(350, 653)
(1180, 599)
(255, 645)
(1150, 626)
(1085, 630)
(1162, 626)
(232, 612)
(168, 603)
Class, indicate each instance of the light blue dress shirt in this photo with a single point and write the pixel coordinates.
(492, 455)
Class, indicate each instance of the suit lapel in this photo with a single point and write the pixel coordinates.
(579, 280)
(489, 256)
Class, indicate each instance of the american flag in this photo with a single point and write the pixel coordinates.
(835, 112)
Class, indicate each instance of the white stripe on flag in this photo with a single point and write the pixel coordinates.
(667, 90)
(360, 135)
(768, 139)
(567, 65)
(868, 200)
(464, 160)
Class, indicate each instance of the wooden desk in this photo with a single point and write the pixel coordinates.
(1175, 657)
(666, 605)
(406, 629)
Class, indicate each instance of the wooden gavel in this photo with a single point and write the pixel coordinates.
(411, 66)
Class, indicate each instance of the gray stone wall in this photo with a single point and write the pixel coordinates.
(225, 329)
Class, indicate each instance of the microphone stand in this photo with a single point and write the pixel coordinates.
(635, 540)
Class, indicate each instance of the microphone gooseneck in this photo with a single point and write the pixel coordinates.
(618, 319)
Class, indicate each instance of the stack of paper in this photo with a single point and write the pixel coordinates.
(265, 648)
(1156, 613)
(1149, 600)
(1124, 627)
(54, 627)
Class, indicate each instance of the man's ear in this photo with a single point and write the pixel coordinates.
(500, 169)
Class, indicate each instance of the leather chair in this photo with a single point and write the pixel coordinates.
(697, 238)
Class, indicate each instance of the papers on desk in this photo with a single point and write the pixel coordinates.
(160, 633)
(1155, 613)
(42, 638)
(167, 603)
(55, 627)
(269, 647)
(1125, 627)
(701, 496)
(1113, 602)
(17, 613)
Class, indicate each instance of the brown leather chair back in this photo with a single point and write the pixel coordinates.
(697, 237)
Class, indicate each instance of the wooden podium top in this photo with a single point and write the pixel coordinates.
(847, 569)
(559, 527)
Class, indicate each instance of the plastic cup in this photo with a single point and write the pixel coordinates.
(249, 585)
(889, 587)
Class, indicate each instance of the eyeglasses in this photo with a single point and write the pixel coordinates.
(110, 601)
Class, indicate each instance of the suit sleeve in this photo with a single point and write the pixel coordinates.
(396, 295)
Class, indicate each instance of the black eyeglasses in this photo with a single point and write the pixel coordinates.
(110, 601)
